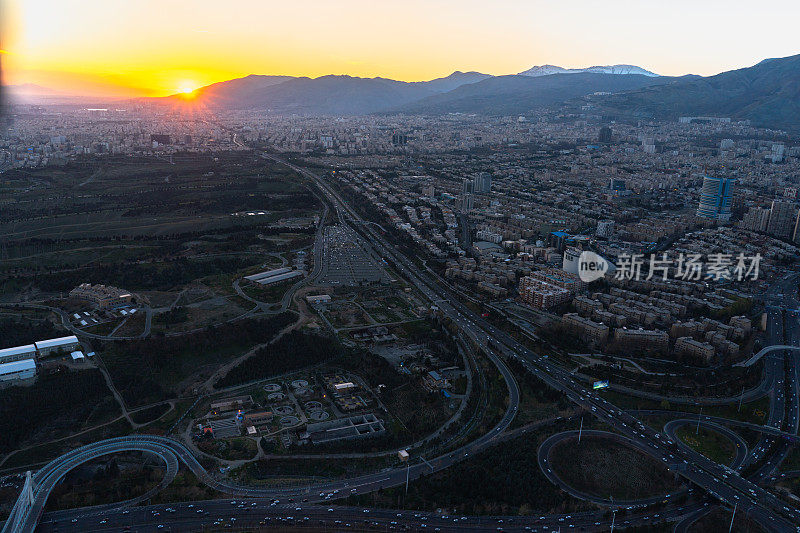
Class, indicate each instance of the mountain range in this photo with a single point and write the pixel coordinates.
(326, 95)
(767, 94)
(466, 92)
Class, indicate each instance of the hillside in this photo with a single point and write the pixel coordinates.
(768, 94)
(326, 95)
(512, 95)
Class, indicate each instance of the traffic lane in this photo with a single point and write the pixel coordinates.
(243, 512)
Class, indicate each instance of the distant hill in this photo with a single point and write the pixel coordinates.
(513, 95)
(326, 95)
(231, 93)
(453, 81)
(30, 89)
(546, 70)
(768, 94)
(32, 94)
(335, 95)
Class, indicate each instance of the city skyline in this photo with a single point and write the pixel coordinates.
(144, 53)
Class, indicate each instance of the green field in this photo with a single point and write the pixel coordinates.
(713, 445)
(592, 466)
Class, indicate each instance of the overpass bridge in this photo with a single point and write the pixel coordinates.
(764, 351)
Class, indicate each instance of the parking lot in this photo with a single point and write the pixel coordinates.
(346, 260)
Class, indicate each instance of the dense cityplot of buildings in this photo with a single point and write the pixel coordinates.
(504, 206)
(511, 223)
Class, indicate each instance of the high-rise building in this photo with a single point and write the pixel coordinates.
(468, 187)
(617, 184)
(796, 233)
(778, 150)
(605, 228)
(715, 198)
(570, 262)
(466, 203)
(482, 183)
(756, 219)
(605, 135)
(782, 218)
(399, 139)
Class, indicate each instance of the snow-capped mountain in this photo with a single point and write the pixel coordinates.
(546, 70)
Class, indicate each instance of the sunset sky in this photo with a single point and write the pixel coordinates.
(148, 47)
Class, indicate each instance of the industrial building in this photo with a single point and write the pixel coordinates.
(280, 277)
(17, 370)
(42, 348)
(61, 344)
(319, 299)
(274, 276)
(355, 427)
(267, 274)
(17, 353)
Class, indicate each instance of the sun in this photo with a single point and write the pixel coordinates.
(187, 87)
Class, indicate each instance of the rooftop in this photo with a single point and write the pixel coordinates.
(17, 366)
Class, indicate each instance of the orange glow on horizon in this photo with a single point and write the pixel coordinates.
(95, 47)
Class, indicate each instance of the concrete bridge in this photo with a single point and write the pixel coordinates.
(764, 351)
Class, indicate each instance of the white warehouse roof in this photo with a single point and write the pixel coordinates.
(268, 273)
(16, 350)
(61, 341)
(17, 366)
